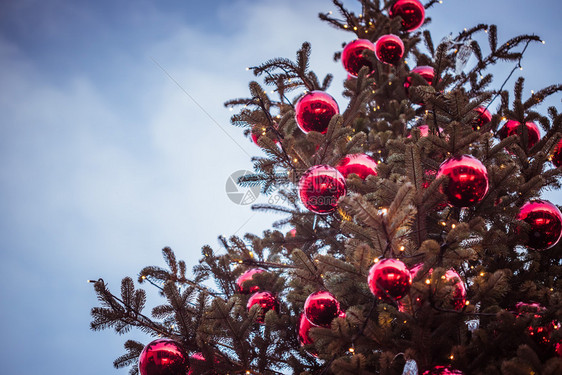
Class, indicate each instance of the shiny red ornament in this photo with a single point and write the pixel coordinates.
(163, 357)
(266, 300)
(198, 365)
(424, 131)
(292, 233)
(556, 156)
(443, 370)
(314, 111)
(468, 180)
(255, 138)
(426, 72)
(389, 49)
(360, 164)
(411, 11)
(389, 279)
(512, 128)
(457, 296)
(247, 276)
(542, 334)
(320, 188)
(484, 117)
(353, 59)
(321, 307)
(304, 338)
(545, 220)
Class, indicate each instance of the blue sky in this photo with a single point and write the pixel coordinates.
(104, 160)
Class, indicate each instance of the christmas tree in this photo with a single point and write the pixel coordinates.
(414, 237)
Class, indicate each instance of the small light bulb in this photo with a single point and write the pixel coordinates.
(376, 260)
(427, 281)
(482, 274)
(453, 226)
(402, 248)
(247, 68)
(543, 42)
(351, 350)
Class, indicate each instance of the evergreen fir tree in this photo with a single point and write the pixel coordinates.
(485, 295)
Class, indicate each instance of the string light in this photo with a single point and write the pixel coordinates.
(402, 248)
(453, 226)
(482, 273)
(351, 350)
(543, 42)
(376, 260)
(452, 357)
(247, 69)
(427, 281)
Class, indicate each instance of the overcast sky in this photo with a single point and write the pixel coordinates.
(104, 160)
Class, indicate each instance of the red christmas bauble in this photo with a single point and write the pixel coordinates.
(457, 296)
(304, 338)
(247, 276)
(198, 365)
(321, 307)
(411, 11)
(484, 117)
(353, 59)
(314, 111)
(556, 156)
(545, 220)
(442, 370)
(512, 128)
(426, 72)
(389, 49)
(389, 279)
(255, 138)
(292, 233)
(424, 131)
(163, 357)
(266, 300)
(360, 164)
(320, 188)
(468, 180)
